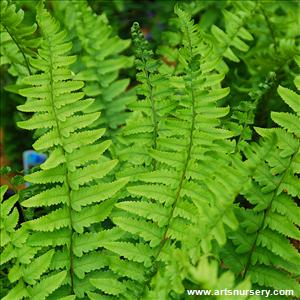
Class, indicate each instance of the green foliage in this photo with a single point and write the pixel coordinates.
(198, 187)
(29, 264)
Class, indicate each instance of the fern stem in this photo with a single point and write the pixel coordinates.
(71, 254)
(266, 213)
(19, 47)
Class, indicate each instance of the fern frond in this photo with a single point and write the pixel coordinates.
(141, 130)
(265, 234)
(180, 143)
(75, 168)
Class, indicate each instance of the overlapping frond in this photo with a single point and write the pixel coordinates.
(235, 36)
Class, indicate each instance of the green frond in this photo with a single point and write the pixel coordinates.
(147, 230)
(38, 267)
(47, 238)
(138, 253)
(288, 121)
(266, 276)
(141, 130)
(17, 293)
(47, 286)
(233, 38)
(90, 241)
(151, 211)
(97, 193)
(109, 286)
(274, 218)
(160, 193)
(85, 217)
(180, 142)
(290, 97)
(54, 220)
(81, 196)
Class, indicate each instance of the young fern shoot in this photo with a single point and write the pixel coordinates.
(141, 131)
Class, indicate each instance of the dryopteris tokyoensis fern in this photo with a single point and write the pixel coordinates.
(28, 263)
(16, 40)
(184, 174)
(264, 248)
(78, 197)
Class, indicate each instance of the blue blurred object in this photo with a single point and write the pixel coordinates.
(31, 159)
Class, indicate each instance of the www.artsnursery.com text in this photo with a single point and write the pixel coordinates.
(228, 292)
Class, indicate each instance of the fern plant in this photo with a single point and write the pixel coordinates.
(141, 131)
(201, 198)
